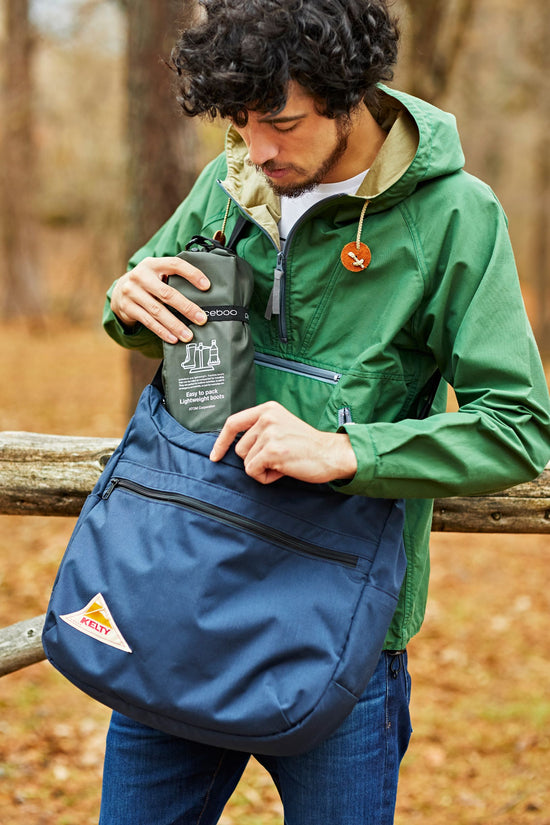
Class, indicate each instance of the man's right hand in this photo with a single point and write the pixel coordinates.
(143, 296)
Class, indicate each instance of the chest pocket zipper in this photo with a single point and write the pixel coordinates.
(297, 368)
(307, 371)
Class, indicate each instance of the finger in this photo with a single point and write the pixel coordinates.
(162, 322)
(133, 303)
(260, 469)
(257, 461)
(235, 424)
(152, 273)
(266, 476)
(141, 296)
(168, 296)
(177, 266)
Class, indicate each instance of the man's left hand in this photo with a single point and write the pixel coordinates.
(276, 443)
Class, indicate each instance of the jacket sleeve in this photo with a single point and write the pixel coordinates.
(206, 197)
(473, 321)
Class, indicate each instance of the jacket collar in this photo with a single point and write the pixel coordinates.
(249, 189)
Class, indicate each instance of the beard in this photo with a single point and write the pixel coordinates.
(343, 129)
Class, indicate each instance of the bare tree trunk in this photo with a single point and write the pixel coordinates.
(543, 199)
(437, 32)
(161, 140)
(21, 289)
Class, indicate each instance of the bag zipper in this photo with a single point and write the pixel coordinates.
(297, 368)
(233, 519)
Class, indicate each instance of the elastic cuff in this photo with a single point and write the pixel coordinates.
(128, 331)
(365, 454)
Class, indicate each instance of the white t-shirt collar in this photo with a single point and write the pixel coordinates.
(293, 208)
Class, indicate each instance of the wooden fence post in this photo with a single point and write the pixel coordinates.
(21, 645)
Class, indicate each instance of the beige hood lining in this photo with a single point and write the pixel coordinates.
(252, 192)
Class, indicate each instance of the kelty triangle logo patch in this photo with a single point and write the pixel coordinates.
(95, 620)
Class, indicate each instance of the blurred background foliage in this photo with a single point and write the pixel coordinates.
(95, 154)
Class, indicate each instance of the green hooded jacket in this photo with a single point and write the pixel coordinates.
(441, 291)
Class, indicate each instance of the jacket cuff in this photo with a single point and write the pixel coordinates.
(138, 337)
(363, 447)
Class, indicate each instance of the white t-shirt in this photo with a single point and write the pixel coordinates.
(293, 208)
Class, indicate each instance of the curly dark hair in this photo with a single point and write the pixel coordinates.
(241, 54)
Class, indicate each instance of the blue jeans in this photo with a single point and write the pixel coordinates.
(151, 778)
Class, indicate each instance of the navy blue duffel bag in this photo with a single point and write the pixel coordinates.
(198, 601)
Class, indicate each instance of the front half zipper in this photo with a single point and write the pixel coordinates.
(278, 289)
(232, 519)
(277, 299)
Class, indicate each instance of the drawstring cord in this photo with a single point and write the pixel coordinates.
(219, 235)
(356, 255)
(360, 227)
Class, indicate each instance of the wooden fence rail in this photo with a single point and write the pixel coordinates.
(51, 475)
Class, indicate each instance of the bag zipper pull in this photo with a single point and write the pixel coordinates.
(109, 488)
(274, 302)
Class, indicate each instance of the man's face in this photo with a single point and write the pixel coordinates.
(297, 148)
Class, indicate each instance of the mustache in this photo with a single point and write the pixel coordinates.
(272, 166)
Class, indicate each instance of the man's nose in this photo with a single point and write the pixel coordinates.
(261, 145)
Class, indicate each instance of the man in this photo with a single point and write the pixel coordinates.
(376, 256)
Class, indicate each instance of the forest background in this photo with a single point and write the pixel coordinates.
(94, 155)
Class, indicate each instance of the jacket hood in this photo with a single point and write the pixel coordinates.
(422, 144)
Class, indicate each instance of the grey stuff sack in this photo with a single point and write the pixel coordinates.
(212, 377)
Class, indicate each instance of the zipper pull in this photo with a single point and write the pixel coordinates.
(109, 488)
(274, 302)
(344, 416)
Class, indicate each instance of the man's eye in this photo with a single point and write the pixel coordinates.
(284, 128)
